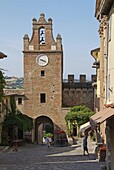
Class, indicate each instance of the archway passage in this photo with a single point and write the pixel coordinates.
(43, 125)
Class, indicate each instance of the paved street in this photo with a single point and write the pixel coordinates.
(38, 157)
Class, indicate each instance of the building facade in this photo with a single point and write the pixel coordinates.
(47, 97)
(104, 13)
(96, 55)
(43, 71)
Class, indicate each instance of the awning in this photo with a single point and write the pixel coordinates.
(59, 132)
(85, 127)
(102, 115)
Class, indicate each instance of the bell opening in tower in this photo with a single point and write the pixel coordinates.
(42, 35)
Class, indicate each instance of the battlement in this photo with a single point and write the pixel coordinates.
(78, 91)
(82, 79)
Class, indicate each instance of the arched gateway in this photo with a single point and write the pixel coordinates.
(43, 75)
(43, 124)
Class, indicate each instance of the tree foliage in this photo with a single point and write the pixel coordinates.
(13, 105)
(27, 122)
(48, 135)
(16, 118)
(2, 85)
(79, 113)
(23, 122)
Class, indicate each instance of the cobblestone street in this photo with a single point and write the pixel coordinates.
(38, 157)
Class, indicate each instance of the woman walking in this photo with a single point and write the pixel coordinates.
(85, 148)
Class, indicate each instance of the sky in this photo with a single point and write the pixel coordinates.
(74, 20)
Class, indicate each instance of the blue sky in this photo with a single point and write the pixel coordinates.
(73, 19)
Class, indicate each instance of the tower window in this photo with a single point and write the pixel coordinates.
(42, 36)
(19, 100)
(42, 98)
(42, 73)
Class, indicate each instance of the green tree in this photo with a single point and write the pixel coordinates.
(78, 115)
(2, 85)
(14, 118)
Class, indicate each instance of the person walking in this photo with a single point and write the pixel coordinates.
(85, 147)
(91, 134)
(48, 141)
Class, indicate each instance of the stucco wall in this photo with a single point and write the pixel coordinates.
(111, 60)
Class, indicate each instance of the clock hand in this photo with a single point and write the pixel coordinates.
(42, 60)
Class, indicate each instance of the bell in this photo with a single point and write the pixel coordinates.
(41, 32)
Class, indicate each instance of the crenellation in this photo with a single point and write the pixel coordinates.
(93, 78)
(79, 92)
(71, 78)
(82, 78)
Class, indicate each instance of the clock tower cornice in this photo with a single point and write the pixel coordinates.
(43, 52)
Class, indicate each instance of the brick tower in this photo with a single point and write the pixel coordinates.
(43, 68)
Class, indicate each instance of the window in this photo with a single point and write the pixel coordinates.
(42, 36)
(19, 100)
(42, 73)
(42, 98)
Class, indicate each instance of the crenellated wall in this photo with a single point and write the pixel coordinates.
(78, 92)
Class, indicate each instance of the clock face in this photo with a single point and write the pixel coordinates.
(42, 60)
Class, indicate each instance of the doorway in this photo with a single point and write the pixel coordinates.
(43, 125)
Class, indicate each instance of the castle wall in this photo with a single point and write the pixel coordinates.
(77, 93)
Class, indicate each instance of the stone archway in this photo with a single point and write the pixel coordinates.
(42, 123)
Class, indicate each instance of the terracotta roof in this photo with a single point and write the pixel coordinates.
(109, 105)
(2, 55)
(8, 92)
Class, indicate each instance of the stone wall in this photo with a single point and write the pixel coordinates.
(78, 92)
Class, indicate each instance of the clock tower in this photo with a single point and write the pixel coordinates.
(43, 70)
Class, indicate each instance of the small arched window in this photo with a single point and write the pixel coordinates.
(42, 35)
